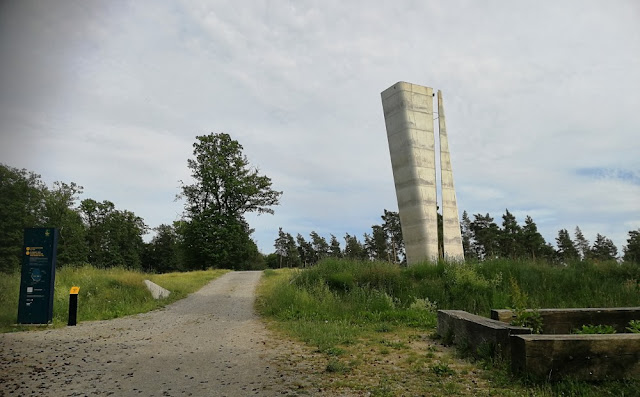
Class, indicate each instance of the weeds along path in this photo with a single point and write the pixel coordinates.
(209, 344)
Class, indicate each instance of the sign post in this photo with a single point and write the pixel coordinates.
(38, 276)
(73, 305)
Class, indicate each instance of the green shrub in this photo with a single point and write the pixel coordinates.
(337, 366)
(442, 370)
(595, 329)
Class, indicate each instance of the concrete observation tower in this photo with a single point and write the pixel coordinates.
(409, 118)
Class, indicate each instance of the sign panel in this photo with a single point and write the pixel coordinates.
(38, 276)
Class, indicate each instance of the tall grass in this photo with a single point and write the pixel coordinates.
(480, 287)
(337, 303)
(104, 293)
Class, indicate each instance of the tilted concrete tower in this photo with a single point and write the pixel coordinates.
(408, 114)
(452, 239)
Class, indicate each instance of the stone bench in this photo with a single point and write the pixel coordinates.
(581, 357)
(473, 331)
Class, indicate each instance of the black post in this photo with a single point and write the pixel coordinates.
(73, 305)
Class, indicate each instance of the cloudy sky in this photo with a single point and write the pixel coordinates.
(542, 102)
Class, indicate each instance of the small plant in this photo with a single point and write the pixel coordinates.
(595, 329)
(394, 345)
(524, 317)
(336, 366)
(486, 351)
(384, 327)
(442, 369)
(423, 305)
(334, 351)
(634, 326)
(448, 338)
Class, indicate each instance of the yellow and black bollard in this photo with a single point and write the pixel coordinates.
(73, 305)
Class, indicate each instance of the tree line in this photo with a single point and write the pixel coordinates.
(482, 239)
(212, 231)
(384, 243)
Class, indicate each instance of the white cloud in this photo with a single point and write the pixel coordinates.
(112, 97)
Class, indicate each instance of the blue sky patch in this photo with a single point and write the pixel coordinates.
(629, 176)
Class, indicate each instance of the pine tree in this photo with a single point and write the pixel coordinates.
(632, 249)
(353, 248)
(392, 228)
(582, 244)
(307, 254)
(533, 244)
(334, 247)
(487, 236)
(509, 240)
(319, 245)
(567, 251)
(603, 249)
(468, 242)
(376, 244)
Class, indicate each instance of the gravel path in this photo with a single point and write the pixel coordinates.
(209, 344)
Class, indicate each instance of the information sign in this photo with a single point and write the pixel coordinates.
(38, 276)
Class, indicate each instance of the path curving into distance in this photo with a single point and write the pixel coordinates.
(209, 344)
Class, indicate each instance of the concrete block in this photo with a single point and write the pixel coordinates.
(156, 291)
(581, 357)
(473, 331)
(564, 321)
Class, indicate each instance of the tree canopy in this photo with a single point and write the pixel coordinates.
(225, 187)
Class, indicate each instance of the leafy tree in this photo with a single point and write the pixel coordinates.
(272, 261)
(603, 249)
(582, 244)
(60, 211)
(114, 237)
(217, 241)
(21, 206)
(162, 254)
(225, 185)
(509, 241)
(225, 188)
(334, 247)
(632, 249)
(567, 251)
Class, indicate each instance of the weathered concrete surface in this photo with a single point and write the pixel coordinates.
(564, 321)
(583, 357)
(408, 114)
(209, 344)
(156, 291)
(473, 331)
(452, 239)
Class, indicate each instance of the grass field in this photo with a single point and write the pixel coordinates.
(104, 293)
(373, 323)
